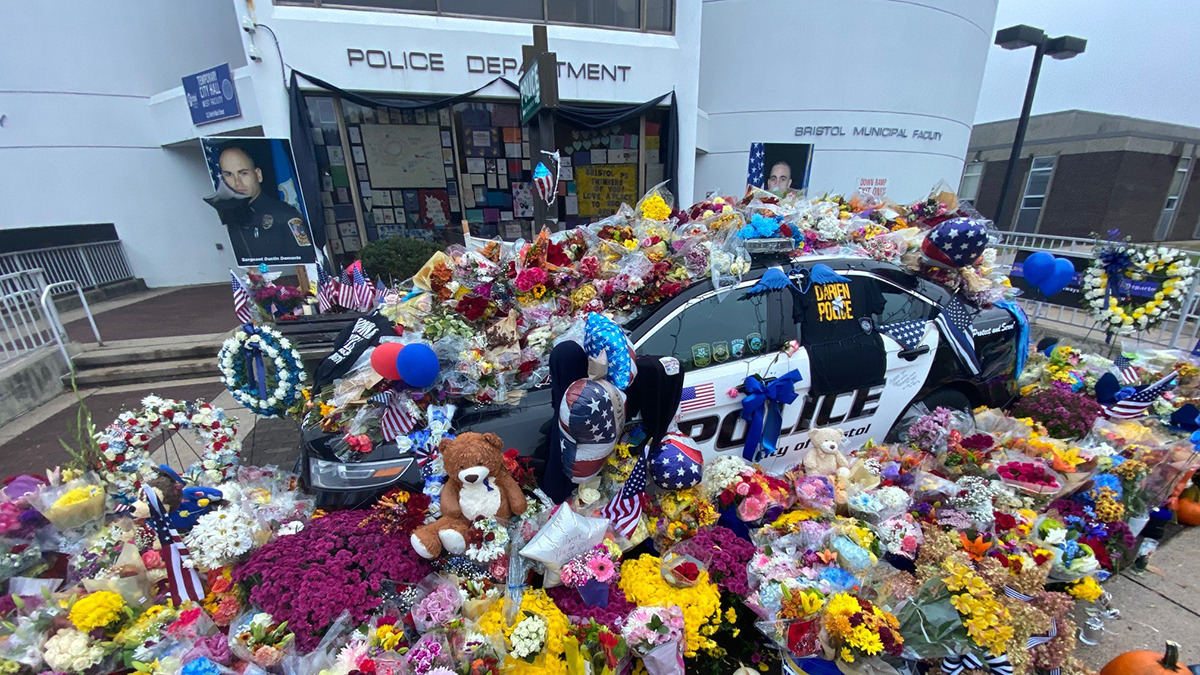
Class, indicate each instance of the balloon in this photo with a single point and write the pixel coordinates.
(1038, 267)
(958, 242)
(1061, 277)
(417, 365)
(383, 359)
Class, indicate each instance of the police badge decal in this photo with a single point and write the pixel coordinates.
(267, 221)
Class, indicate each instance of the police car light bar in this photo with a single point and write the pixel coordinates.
(773, 245)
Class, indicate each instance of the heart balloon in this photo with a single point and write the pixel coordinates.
(1061, 277)
(1038, 268)
(383, 359)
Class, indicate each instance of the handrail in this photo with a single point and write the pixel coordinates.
(51, 312)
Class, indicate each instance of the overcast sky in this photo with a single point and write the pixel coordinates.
(1142, 60)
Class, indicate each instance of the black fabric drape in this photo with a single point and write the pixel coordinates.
(654, 395)
(582, 116)
(305, 153)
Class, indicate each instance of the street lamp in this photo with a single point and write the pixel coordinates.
(1018, 37)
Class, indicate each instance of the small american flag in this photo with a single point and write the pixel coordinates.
(755, 175)
(181, 577)
(1124, 370)
(697, 397)
(396, 420)
(345, 291)
(326, 289)
(908, 333)
(624, 511)
(241, 301)
(1136, 405)
(380, 291)
(364, 292)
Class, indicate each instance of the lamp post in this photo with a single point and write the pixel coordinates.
(1018, 37)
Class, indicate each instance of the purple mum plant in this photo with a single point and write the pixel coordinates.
(338, 562)
(1064, 414)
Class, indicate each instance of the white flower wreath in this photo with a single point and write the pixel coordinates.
(283, 370)
(1170, 265)
(125, 461)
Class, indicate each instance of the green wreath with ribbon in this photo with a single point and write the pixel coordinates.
(1129, 289)
(262, 370)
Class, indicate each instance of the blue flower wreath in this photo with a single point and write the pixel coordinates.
(262, 370)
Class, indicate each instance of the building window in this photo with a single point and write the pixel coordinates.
(1174, 194)
(1036, 189)
(655, 16)
(968, 189)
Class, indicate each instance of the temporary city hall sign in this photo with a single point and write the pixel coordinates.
(211, 95)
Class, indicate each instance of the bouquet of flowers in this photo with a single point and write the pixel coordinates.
(656, 635)
(258, 638)
(858, 629)
(439, 605)
(900, 535)
(929, 432)
(1030, 477)
(599, 646)
(528, 638)
(223, 536)
(71, 505)
(72, 651)
(754, 494)
(592, 572)
(1064, 413)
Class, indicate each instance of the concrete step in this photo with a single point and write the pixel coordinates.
(121, 355)
(147, 371)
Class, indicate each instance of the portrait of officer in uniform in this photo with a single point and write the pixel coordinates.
(262, 227)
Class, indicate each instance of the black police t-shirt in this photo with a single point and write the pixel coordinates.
(838, 330)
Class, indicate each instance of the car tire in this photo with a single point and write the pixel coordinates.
(946, 397)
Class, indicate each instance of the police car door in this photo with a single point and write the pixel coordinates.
(869, 412)
(718, 343)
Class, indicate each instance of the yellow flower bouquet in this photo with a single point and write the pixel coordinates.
(71, 505)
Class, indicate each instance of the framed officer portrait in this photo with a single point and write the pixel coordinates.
(257, 197)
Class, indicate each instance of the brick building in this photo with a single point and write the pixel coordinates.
(1082, 172)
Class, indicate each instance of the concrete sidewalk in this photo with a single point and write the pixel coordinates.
(159, 313)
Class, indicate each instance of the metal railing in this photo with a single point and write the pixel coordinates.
(89, 265)
(1181, 330)
(28, 318)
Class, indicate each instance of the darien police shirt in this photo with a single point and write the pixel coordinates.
(838, 330)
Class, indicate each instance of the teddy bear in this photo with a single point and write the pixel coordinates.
(825, 456)
(477, 486)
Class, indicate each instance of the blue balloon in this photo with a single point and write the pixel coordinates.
(417, 364)
(1038, 268)
(1060, 278)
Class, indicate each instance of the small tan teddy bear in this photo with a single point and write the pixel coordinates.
(825, 456)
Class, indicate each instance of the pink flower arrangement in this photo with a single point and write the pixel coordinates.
(725, 554)
(333, 564)
(597, 563)
(437, 608)
(152, 559)
(650, 627)
(424, 655)
(528, 278)
(589, 266)
(1028, 473)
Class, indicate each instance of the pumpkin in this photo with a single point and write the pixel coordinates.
(1144, 662)
(1187, 508)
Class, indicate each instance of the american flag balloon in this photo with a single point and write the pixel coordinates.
(676, 464)
(589, 419)
(545, 183)
(958, 242)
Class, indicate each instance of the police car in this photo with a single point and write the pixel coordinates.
(721, 338)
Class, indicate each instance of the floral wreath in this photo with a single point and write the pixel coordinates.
(1113, 307)
(125, 462)
(262, 370)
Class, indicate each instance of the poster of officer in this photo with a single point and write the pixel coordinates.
(780, 167)
(258, 199)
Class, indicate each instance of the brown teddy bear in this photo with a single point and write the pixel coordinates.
(478, 487)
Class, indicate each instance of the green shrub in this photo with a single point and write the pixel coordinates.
(396, 258)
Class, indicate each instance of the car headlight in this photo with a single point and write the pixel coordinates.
(325, 475)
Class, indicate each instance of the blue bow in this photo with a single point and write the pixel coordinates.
(764, 419)
(255, 371)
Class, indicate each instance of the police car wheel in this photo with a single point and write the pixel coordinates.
(944, 398)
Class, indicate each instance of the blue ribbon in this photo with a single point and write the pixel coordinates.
(763, 411)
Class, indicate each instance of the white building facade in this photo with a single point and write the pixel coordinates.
(96, 131)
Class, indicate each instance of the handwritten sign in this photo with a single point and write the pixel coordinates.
(602, 188)
(404, 156)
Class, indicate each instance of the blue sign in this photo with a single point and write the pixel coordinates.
(211, 95)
